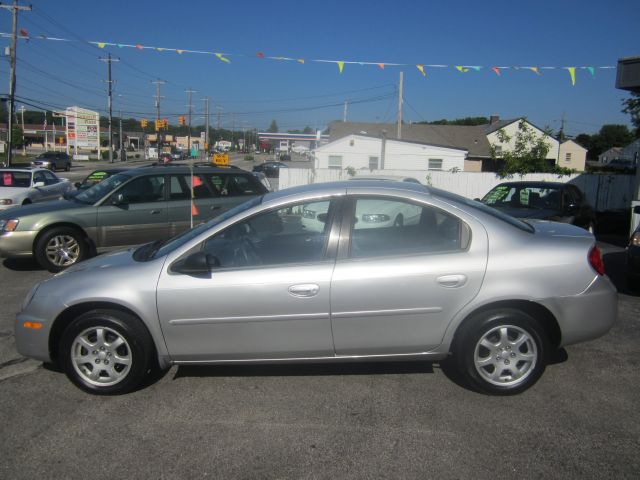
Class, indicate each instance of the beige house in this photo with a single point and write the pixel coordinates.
(573, 156)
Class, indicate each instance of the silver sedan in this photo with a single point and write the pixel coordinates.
(463, 283)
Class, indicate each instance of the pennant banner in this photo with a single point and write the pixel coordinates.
(224, 57)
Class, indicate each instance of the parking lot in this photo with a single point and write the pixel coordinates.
(394, 420)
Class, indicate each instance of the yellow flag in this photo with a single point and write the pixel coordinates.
(421, 68)
(101, 45)
(462, 69)
(572, 72)
(179, 52)
(340, 66)
(221, 57)
(301, 60)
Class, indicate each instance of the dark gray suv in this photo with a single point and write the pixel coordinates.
(132, 207)
(53, 161)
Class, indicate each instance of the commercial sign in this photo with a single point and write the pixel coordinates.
(83, 128)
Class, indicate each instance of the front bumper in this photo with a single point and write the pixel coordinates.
(17, 244)
(588, 315)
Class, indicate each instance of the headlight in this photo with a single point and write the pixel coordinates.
(30, 295)
(375, 217)
(6, 201)
(635, 240)
(8, 225)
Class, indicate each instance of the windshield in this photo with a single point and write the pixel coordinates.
(524, 196)
(99, 190)
(159, 249)
(15, 179)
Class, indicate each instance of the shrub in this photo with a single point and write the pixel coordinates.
(248, 158)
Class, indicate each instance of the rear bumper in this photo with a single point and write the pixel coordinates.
(633, 262)
(588, 315)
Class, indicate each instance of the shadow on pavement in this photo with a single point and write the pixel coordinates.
(21, 264)
(616, 268)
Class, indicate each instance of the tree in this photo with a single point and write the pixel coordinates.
(632, 107)
(307, 129)
(472, 121)
(608, 137)
(17, 137)
(273, 128)
(528, 155)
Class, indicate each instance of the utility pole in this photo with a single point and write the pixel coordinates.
(400, 106)
(189, 93)
(121, 140)
(24, 144)
(219, 109)
(206, 127)
(12, 73)
(110, 104)
(344, 114)
(158, 97)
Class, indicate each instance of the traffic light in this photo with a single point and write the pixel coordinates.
(182, 119)
(165, 123)
(143, 123)
(158, 125)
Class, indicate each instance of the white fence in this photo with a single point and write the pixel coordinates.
(604, 192)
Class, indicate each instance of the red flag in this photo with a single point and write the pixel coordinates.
(197, 181)
(260, 55)
(194, 209)
(24, 33)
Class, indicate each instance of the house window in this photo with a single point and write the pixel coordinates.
(567, 157)
(373, 163)
(435, 164)
(335, 162)
(497, 149)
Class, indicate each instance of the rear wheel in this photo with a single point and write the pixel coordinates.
(60, 248)
(67, 167)
(106, 352)
(501, 352)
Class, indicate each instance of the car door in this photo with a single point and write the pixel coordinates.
(38, 193)
(135, 213)
(396, 287)
(268, 298)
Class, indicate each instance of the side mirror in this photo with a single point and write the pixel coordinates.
(636, 209)
(119, 200)
(197, 264)
(572, 208)
(38, 184)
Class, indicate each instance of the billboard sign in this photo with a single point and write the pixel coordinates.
(83, 128)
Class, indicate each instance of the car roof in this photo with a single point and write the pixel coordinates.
(535, 184)
(184, 168)
(394, 178)
(24, 169)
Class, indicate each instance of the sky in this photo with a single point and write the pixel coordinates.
(249, 91)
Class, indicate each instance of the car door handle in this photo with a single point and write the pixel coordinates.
(155, 212)
(304, 290)
(215, 207)
(452, 281)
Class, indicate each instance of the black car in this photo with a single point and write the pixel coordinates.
(270, 169)
(633, 255)
(560, 202)
(53, 161)
(90, 180)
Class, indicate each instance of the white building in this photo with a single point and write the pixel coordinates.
(371, 153)
(510, 127)
(572, 156)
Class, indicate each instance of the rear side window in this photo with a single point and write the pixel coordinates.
(384, 227)
(230, 185)
(180, 187)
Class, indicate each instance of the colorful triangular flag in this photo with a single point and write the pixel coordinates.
(572, 72)
(340, 66)
(223, 58)
(421, 68)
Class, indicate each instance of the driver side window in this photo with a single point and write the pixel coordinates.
(277, 237)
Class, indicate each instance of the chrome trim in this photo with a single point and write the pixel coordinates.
(250, 319)
(381, 313)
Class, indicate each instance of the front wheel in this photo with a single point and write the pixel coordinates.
(106, 352)
(501, 352)
(59, 248)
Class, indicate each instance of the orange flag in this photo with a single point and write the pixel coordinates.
(194, 209)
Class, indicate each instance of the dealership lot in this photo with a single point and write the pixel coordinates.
(403, 420)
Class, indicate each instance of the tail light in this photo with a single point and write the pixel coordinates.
(595, 260)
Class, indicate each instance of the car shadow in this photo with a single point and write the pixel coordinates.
(21, 264)
(308, 369)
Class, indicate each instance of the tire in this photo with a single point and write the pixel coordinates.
(106, 352)
(399, 221)
(67, 167)
(26, 201)
(500, 352)
(59, 248)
